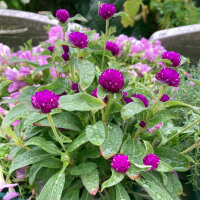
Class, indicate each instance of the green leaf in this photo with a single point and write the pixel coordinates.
(135, 151)
(124, 16)
(64, 119)
(71, 195)
(48, 14)
(112, 142)
(87, 74)
(81, 139)
(115, 108)
(47, 146)
(16, 60)
(15, 113)
(41, 68)
(131, 109)
(178, 104)
(86, 196)
(27, 158)
(91, 181)
(163, 167)
(26, 94)
(96, 133)
(153, 186)
(172, 158)
(58, 86)
(80, 102)
(121, 193)
(131, 7)
(101, 92)
(50, 162)
(149, 148)
(161, 116)
(3, 85)
(113, 180)
(184, 60)
(77, 17)
(134, 171)
(34, 169)
(52, 190)
(82, 169)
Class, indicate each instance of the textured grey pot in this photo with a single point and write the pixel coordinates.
(16, 27)
(184, 40)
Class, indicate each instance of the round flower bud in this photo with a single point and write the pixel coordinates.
(65, 56)
(45, 100)
(111, 80)
(62, 15)
(120, 163)
(112, 47)
(151, 159)
(174, 57)
(51, 48)
(168, 76)
(142, 124)
(107, 10)
(165, 98)
(142, 98)
(75, 87)
(78, 39)
(65, 48)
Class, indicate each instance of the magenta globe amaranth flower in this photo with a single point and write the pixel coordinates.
(65, 56)
(165, 98)
(142, 98)
(78, 39)
(174, 57)
(112, 47)
(107, 10)
(151, 159)
(62, 15)
(45, 101)
(142, 124)
(168, 76)
(120, 163)
(111, 80)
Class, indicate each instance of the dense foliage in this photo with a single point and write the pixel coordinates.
(85, 115)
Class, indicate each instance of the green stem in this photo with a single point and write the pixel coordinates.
(191, 147)
(54, 130)
(72, 72)
(172, 137)
(107, 109)
(138, 132)
(101, 195)
(104, 48)
(126, 127)
(93, 117)
(160, 94)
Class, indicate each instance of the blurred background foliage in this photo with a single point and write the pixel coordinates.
(148, 15)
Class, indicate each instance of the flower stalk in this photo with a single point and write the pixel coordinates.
(104, 48)
(54, 130)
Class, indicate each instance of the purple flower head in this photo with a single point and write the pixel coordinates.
(51, 48)
(65, 56)
(94, 94)
(168, 76)
(78, 39)
(45, 100)
(142, 124)
(128, 100)
(142, 98)
(174, 57)
(21, 173)
(65, 48)
(112, 47)
(75, 87)
(151, 159)
(120, 163)
(107, 10)
(111, 80)
(165, 98)
(62, 15)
